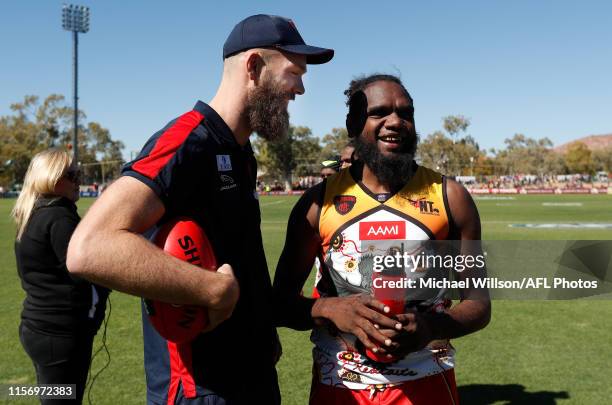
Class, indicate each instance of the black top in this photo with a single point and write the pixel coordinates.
(56, 302)
(199, 171)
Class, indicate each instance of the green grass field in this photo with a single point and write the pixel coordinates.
(532, 352)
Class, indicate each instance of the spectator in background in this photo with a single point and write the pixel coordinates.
(346, 157)
(330, 166)
(61, 313)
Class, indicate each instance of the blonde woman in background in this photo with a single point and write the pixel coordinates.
(61, 313)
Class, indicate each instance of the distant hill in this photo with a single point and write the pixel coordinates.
(593, 142)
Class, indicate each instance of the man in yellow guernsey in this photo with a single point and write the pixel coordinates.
(368, 349)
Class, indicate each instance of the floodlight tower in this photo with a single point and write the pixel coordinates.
(75, 19)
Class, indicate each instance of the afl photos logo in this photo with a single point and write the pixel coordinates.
(344, 203)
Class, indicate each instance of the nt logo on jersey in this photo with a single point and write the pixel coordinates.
(424, 206)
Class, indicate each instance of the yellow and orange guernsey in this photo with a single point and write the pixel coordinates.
(357, 227)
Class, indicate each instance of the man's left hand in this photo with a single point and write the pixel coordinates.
(415, 334)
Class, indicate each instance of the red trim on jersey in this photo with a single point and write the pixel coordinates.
(189, 386)
(181, 371)
(175, 377)
(167, 144)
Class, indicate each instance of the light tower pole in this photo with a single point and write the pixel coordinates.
(75, 19)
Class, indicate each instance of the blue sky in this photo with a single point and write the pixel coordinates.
(542, 68)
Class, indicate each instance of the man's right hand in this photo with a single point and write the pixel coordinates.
(360, 315)
(226, 297)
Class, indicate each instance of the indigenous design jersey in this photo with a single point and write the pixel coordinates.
(355, 226)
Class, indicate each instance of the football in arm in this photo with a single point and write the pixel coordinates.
(184, 239)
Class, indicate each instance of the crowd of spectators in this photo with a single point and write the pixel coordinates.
(301, 184)
(526, 181)
(529, 181)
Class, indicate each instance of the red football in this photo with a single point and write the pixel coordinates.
(186, 240)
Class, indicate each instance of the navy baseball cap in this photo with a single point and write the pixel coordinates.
(271, 31)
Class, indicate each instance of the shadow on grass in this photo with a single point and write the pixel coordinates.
(509, 394)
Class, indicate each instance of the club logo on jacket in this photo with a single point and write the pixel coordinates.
(227, 182)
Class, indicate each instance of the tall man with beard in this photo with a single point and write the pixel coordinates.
(201, 166)
(365, 350)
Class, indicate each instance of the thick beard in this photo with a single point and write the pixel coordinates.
(266, 110)
(393, 170)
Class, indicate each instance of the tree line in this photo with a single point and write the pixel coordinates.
(454, 152)
(450, 150)
(35, 125)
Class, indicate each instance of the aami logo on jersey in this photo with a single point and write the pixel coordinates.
(382, 230)
(424, 206)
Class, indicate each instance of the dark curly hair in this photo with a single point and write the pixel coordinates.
(361, 82)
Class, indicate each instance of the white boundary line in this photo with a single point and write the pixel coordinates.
(272, 203)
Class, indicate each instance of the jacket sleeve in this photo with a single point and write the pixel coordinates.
(60, 232)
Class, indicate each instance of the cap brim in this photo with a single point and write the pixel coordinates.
(314, 54)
